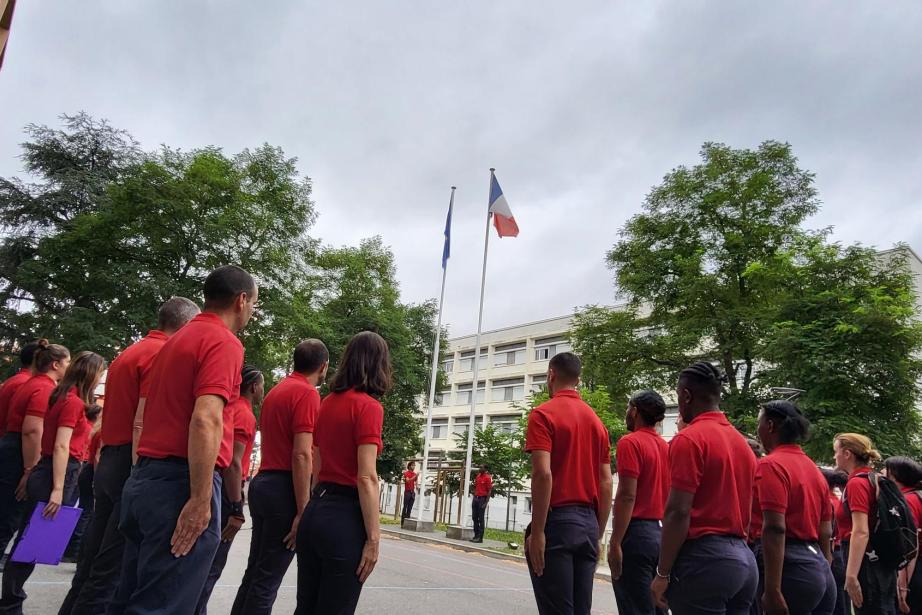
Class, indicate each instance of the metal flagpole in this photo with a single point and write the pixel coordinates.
(471, 426)
(435, 373)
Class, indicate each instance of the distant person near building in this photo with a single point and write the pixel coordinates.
(409, 495)
(483, 487)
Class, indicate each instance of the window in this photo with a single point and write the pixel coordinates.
(512, 389)
(460, 425)
(443, 398)
(514, 501)
(538, 382)
(545, 349)
(510, 354)
(464, 393)
(439, 429)
(528, 505)
(448, 366)
(466, 364)
(506, 423)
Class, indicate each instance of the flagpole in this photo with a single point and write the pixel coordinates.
(471, 426)
(434, 375)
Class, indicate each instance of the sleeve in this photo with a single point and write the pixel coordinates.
(219, 370)
(858, 494)
(828, 510)
(538, 432)
(305, 413)
(627, 459)
(241, 429)
(368, 424)
(772, 488)
(38, 403)
(686, 464)
(71, 412)
(604, 446)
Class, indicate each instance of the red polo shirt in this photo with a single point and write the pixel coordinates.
(30, 399)
(841, 532)
(202, 358)
(859, 497)
(93, 451)
(346, 420)
(644, 455)
(788, 482)
(409, 479)
(244, 429)
(573, 434)
(483, 485)
(10, 386)
(128, 374)
(68, 411)
(712, 461)
(290, 408)
(915, 504)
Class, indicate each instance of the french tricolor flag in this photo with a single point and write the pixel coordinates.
(502, 215)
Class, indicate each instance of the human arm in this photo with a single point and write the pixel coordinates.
(902, 585)
(367, 484)
(233, 489)
(773, 539)
(605, 487)
(676, 519)
(858, 543)
(621, 518)
(137, 427)
(59, 458)
(32, 427)
(301, 461)
(542, 482)
(316, 465)
(826, 540)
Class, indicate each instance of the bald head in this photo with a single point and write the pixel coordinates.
(310, 356)
(175, 313)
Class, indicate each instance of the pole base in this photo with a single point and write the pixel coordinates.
(459, 533)
(417, 525)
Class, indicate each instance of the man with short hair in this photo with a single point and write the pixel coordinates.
(409, 494)
(281, 489)
(171, 503)
(483, 488)
(571, 493)
(127, 382)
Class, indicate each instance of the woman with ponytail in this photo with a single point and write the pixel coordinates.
(871, 587)
(907, 474)
(65, 435)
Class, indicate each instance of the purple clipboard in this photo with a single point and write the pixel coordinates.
(44, 540)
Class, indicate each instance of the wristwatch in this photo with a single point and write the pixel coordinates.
(236, 509)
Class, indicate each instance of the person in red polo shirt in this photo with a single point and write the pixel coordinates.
(483, 491)
(907, 474)
(234, 476)
(12, 384)
(796, 517)
(100, 563)
(65, 437)
(705, 565)
(571, 487)
(281, 489)
(410, 477)
(171, 539)
(643, 485)
(339, 533)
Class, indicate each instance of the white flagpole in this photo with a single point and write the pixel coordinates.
(434, 375)
(471, 425)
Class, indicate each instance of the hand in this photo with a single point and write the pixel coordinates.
(901, 601)
(853, 589)
(230, 530)
(54, 503)
(773, 603)
(534, 550)
(369, 559)
(658, 590)
(21, 487)
(615, 558)
(291, 538)
(193, 519)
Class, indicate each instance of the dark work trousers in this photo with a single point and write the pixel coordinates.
(272, 511)
(409, 497)
(85, 489)
(220, 559)
(838, 573)
(478, 511)
(11, 511)
(571, 553)
(756, 547)
(330, 542)
(38, 488)
(640, 553)
(878, 587)
(100, 563)
(153, 580)
(914, 597)
(713, 574)
(807, 583)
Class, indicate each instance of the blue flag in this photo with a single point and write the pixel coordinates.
(446, 251)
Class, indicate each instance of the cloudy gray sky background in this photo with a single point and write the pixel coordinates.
(580, 106)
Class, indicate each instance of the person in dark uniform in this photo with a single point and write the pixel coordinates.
(65, 436)
(571, 486)
(127, 385)
(705, 565)
(409, 494)
(281, 489)
(234, 475)
(643, 486)
(339, 535)
(796, 518)
(171, 539)
(836, 479)
(483, 488)
(907, 474)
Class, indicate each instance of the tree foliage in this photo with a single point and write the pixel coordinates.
(501, 451)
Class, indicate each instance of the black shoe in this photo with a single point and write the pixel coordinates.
(477, 539)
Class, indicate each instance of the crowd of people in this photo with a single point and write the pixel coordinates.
(704, 524)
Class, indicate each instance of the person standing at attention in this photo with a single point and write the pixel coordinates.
(483, 487)
(409, 494)
(127, 385)
(571, 486)
(281, 489)
(705, 565)
(171, 539)
(643, 486)
(339, 535)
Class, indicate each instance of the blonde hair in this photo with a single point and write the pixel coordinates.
(860, 446)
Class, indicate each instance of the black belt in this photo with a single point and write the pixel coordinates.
(275, 472)
(346, 491)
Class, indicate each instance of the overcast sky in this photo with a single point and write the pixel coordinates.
(581, 106)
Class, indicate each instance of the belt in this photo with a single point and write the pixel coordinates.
(346, 491)
(275, 472)
(180, 461)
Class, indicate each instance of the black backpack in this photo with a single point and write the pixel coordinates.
(894, 541)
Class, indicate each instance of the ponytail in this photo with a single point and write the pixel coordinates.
(858, 445)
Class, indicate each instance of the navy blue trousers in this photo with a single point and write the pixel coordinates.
(85, 489)
(273, 508)
(640, 552)
(478, 514)
(409, 497)
(11, 511)
(220, 560)
(878, 587)
(713, 574)
(838, 574)
(571, 553)
(152, 579)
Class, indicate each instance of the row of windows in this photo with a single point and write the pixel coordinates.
(506, 423)
(510, 354)
(510, 390)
